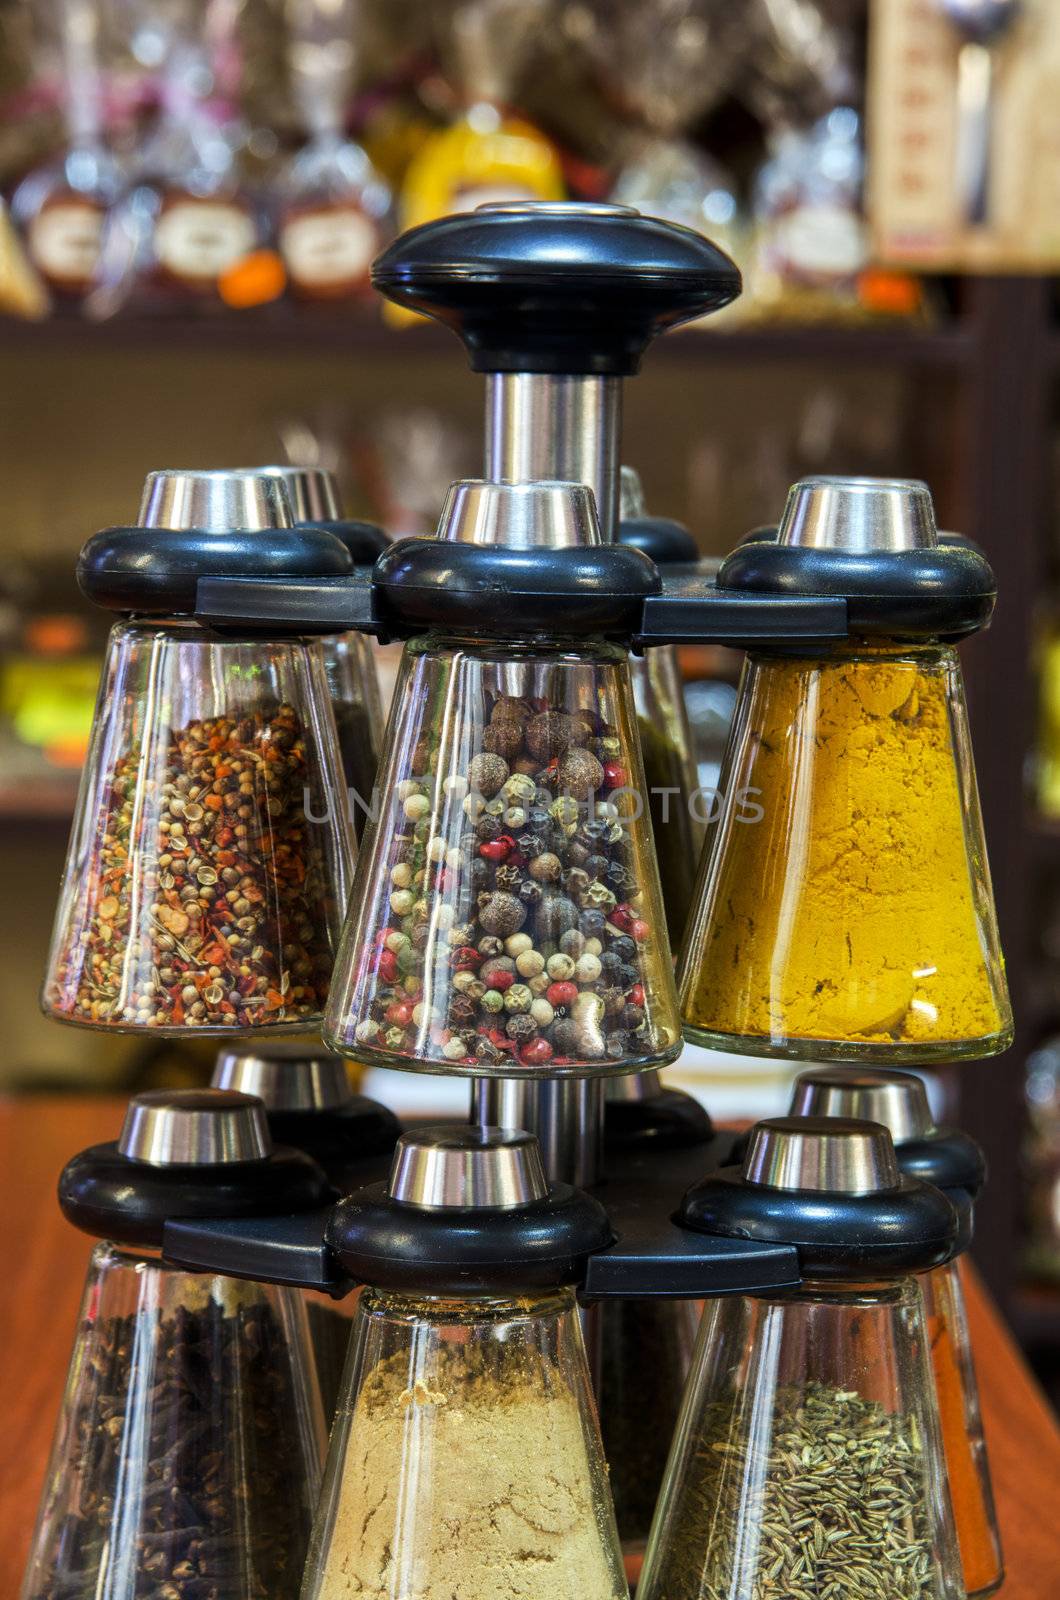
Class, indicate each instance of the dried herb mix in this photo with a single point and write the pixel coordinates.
(224, 1512)
(832, 1508)
(206, 903)
(520, 927)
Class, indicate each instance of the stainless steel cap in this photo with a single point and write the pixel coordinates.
(312, 491)
(242, 501)
(559, 208)
(520, 515)
(859, 514)
(630, 495)
(898, 1100)
(285, 1076)
(194, 1127)
(826, 1154)
(447, 1167)
(633, 1086)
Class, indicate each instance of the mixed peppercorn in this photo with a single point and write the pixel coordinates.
(513, 933)
(206, 902)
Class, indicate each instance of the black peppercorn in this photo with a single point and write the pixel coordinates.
(487, 828)
(614, 1000)
(593, 924)
(610, 967)
(462, 1011)
(555, 915)
(487, 1052)
(549, 734)
(480, 874)
(502, 915)
(632, 1017)
(580, 774)
(530, 845)
(489, 945)
(531, 893)
(623, 947)
(508, 879)
(617, 1045)
(596, 865)
(565, 1036)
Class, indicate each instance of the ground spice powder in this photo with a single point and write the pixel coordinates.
(980, 1555)
(858, 908)
(470, 1484)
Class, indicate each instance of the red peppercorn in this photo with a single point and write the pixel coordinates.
(465, 958)
(614, 775)
(498, 1037)
(561, 994)
(639, 929)
(621, 917)
(497, 849)
(536, 1052)
(636, 995)
(387, 966)
(501, 980)
(400, 1013)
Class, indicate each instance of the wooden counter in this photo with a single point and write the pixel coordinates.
(43, 1268)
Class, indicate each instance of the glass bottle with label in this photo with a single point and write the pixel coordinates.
(333, 204)
(62, 207)
(488, 154)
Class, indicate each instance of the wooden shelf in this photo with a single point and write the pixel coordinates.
(282, 329)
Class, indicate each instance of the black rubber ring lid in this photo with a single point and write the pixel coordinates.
(154, 571)
(472, 1250)
(847, 1238)
(665, 542)
(114, 1197)
(670, 1120)
(497, 589)
(364, 540)
(576, 290)
(945, 592)
(339, 1140)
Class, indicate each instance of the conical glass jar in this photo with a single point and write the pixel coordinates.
(353, 683)
(507, 917)
(808, 1457)
(465, 1457)
(963, 1443)
(954, 1163)
(211, 851)
(188, 1451)
(844, 909)
(677, 817)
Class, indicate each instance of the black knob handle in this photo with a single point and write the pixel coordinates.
(557, 288)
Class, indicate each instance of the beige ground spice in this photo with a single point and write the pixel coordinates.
(469, 1487)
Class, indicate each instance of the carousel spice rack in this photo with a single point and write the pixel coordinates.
(978, 428)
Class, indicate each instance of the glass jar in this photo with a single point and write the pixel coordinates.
(211, 852)
(190, 1440)
(465, 1456)
(507, 917)
(808, 1456)
(671, 778)
(844, 909)
(353, 684)
(964, 1446)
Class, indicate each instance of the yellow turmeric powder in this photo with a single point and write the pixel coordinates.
(844, 909)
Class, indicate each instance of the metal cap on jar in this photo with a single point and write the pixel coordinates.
(285, 1076)
(828, 1155)
(466, 1167)
(898, 1100)
(244, 500)
(312, 491)
(194, 1127)
(859, 515)
(524, 516)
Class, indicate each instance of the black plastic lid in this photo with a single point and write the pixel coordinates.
(113, 1196)
(847, 1238)
(498, 589)
(945, 591)
(667, 543)
(364, 540)
(153, 572)
(558, 288)
(341, 1140)
(667, 1120)
(467, 1250)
